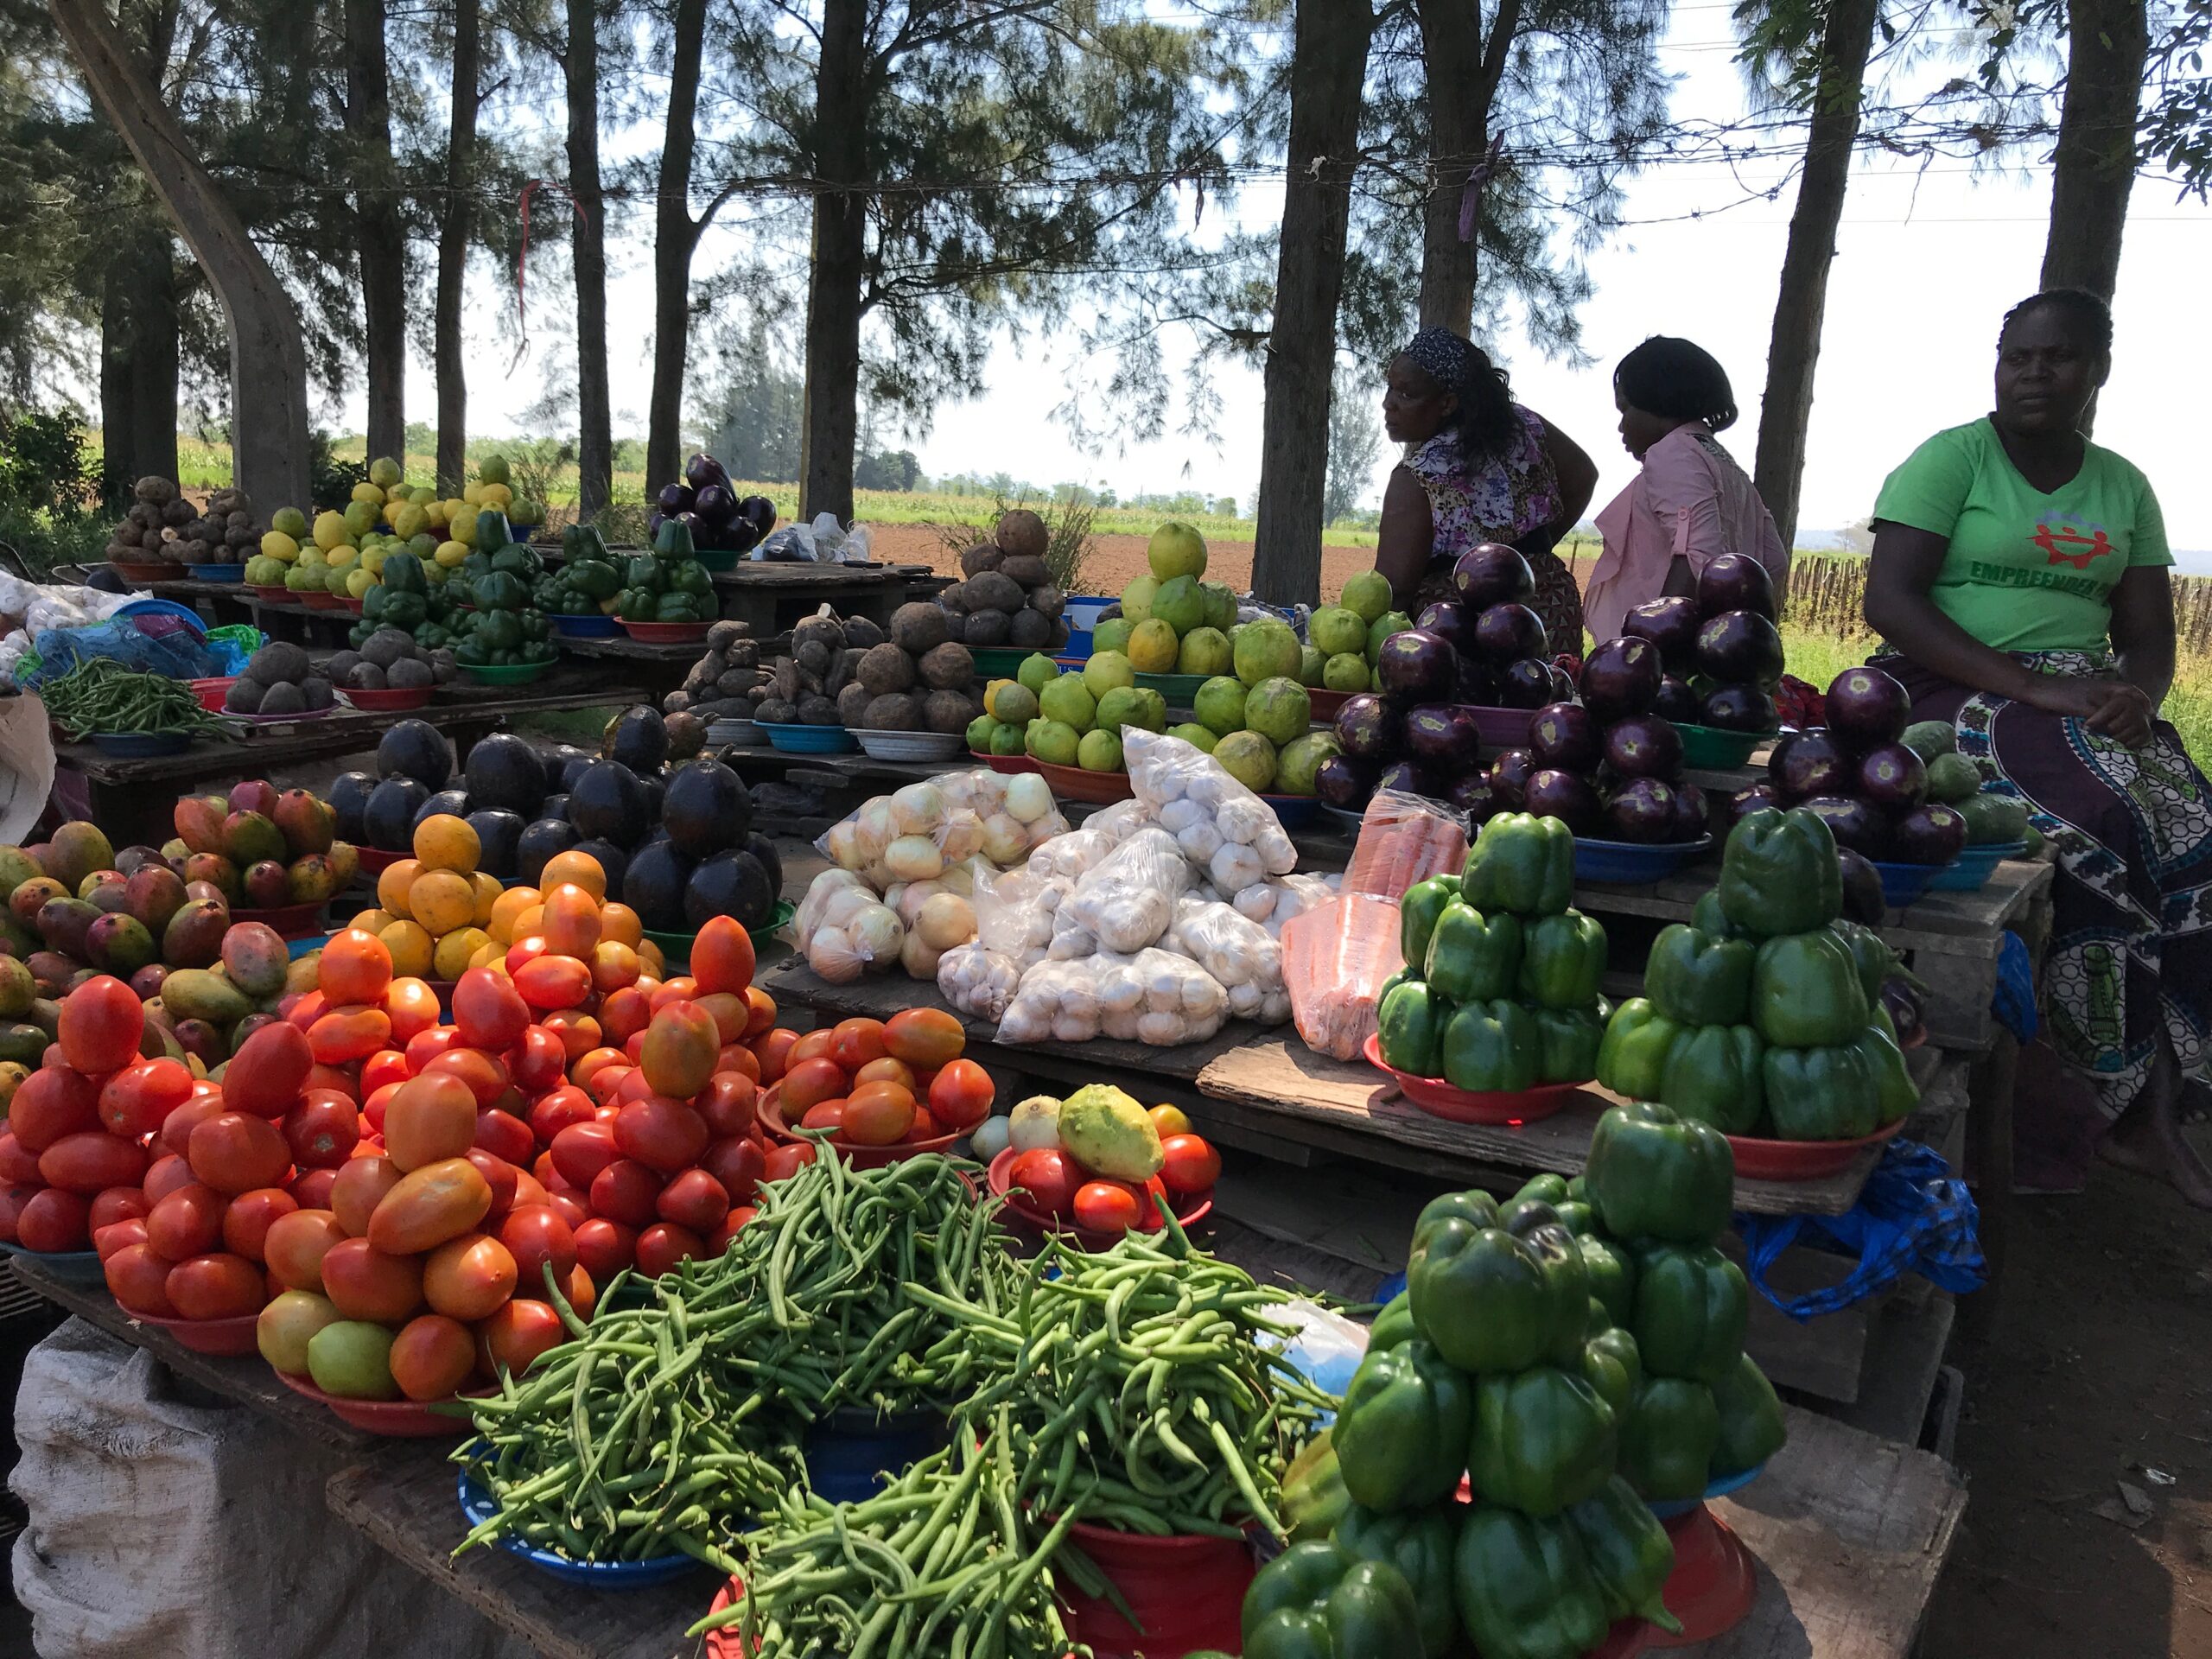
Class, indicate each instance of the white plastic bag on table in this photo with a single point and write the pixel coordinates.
(1274, 901)
(978, 980)
(844, 929)
(1404, 839)
(1325, 1350)
(1153, 996)
(919, 832)
(1205, 810)
(1236, 950)
(141, 1505)
(1128, 900)
(1336, 958)
(1015, 911)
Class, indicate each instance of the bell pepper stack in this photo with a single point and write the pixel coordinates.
(1500, 990)
(1763, 1014)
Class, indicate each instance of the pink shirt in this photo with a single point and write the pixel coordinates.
(1691, 500)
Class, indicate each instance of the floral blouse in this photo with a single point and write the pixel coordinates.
(1500, 499)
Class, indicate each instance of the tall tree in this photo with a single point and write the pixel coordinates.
(1844, 32)
(594, 414)
(676, 240)
(841, 97)
(1328, 69)
(2093, 166)
(453, 237)
(381, 246)
(1470, 59)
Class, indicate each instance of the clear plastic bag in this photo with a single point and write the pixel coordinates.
(1015, 912)
(1153, 996)
(1237, 951)
(1336, 958)
(1195, 799)
(844, 930)
(1128, 900)
(919, 832)
(1404, 839)
(978, 980)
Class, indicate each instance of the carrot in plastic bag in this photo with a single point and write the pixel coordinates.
(1335, 960)
(1403, 839)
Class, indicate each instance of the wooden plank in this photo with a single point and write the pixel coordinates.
(404, 1499)
(1904, 1351)
(245, 1378)
(1281, 1074)
(1849, 1533)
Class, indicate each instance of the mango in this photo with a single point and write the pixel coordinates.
(193, 937)
(154, 893)
(120, 944)
(307, 825)
(62, 923)
(218, 872)
(77, 850)
(199, 821)
(202, 994)
(255, 958)
(248, 837)
(312, 879)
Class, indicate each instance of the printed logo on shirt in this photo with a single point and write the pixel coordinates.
(2070, 543)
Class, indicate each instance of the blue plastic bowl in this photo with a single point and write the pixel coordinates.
(1903, 883)
(1346, 819)
(1971, 869)
(217, 572)
(583, 627)
(476, 1505)
(848, 1455)
(71, 1266)
(137, 746)
(183, 613)
(297, 948)
(1667, 1508)
(1633, 862)
(1293, 811)
(795, 739)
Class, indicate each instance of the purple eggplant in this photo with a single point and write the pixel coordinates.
(1345, 783)
(1862, 889)
(1809, 763)
(1473, 796)
(1866, 708)
(1669, 624)
(676, 498)
(1853, 822)
(1934, 834)
(1677, 703)
(1509, 632)
(716, 505)
(1369, 728)
(1740, 647)
(1527, 683)
(703, 469)
(1488, 574)
(1620, 678)
(1415, 666)
(1757, 797)
(1693, 813)
(1448, 621)
(1903, 1002)
(1407, 778)
(1739, 709)
(1566, 796)
(1736, 581)
(1509, 777)
(1893, 777)
(1642, 810)
(1568, 736)
(1444, 737)
(1644, 746)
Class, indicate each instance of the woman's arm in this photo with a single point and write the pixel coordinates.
(1578, 478)
(2143, 629)
(1904, 567)
(1404, 536)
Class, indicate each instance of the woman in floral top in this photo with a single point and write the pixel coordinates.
(1479, 468)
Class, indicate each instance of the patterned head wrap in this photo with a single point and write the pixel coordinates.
(1444, 357)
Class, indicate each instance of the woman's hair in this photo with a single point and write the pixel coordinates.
(1678, 380)
(1485, 419)
(2077, 305)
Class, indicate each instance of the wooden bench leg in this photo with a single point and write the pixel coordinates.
(1990, 1124)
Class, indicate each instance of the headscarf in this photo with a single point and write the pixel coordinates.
(1444, 357)
(1486, 420)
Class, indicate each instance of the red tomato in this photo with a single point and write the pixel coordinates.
(853, 1043)
(505, 1136)
(426, 1046)
(516, 1335)
(18, 1163)
(535, 1235)
(604, 1247)
(877, 1114)
(312, 1187)
(736, 1057)
(294, 1244)
(468, 1277)
(728, 1103)
(488, 1012)
(429, 1205)
(233, 1153)
(736, 1161)
(101, 1023)
(177, 1127)
(538, 1062)
(139, 1280)
(386, 1065)
(1050, 1177)
(923, 1037)
(773, 1049)
(824, 1114)
(924, 1126)
(551, 982)
(682, 988)
(87, 1163)
(118, 1235)
(759, 1013)
(163, 1176)
(961, 1095)
(360, 1187)
(808, 1081)
(54, 1101)
(626, 1191)
(722, 956)
(305, 1012)
(431, 1356)
(1149, 1220)
(12, 1200)
(267, 1074)
(556, 1109)
(365, 1283)
(322, 1130)
(188, 1222)
(1192, 1167)
(662, 1245)
(341, 1079)
(117, 1204)
(634, 1085)
(135, 1100)
(378, 1106)
(694, 1199)
(582, 1294)
(784, 1162)
(352, 1032)
(503, 1178)
(624, 1013)
(886, 1070)
(604, 1084)
(662, 1135)
(1104, 1206)
(571, 1207)
(486, 1074)
(247, 1222)
(581, 1150)
(731, 1225)
(217, 1286)
(55, 1220)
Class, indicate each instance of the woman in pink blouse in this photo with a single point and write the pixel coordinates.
(1690, 502)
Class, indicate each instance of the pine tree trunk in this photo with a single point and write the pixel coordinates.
(830, 423)
(1328, 68)
(1457, 55)
(154, 363)
(382, 245)
(676, 235)
(454, 236)
(1793, 349)
(596, 435)
(119, 467)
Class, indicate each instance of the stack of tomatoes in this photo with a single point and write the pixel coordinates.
(1053, 1182)
(880, 1084)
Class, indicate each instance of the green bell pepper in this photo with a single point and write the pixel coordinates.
(402, 574)
(1751, 1429)
(1612, 1365)
(1668, 1438)
(1522, 864)
(1319, 1601)
(1805, 991)
(493, 532)
(1423, 903)
(1577, 1218)
(1566, 1044)
(1419, 1543)
(582, 542)
(1548, 1188)
(1562, 960)
(1632, 1056)
(1652, 1175)
(1629, 1552)
(1409, 1029)
(1393, 1326)
(1400, 1406)
(1544, 1438)
(1473, 958)
(1713, 1077)
(1821, 1093)
(497, 591)
(693, 578)
(1611, 1272)
(673, 540)
(1474, 1206)
(1489, 1301)
(1708, 919)
(1896, 1094)
(1490, 1047)
(1524, 1588)
(1875, 960)
(1691, 1305)
(595, 578)
(1313, 1496)
(1779, 874)
(1537, 1225)
(1695, 979)
(679, 607)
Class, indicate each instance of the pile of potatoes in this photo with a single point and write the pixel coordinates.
(390, 660)
(1008, 598)
(162, 523)
(920, 679)
(717, 685)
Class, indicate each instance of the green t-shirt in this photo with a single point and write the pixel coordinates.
(2025, 571)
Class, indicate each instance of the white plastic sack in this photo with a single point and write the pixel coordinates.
(844, 929)
(1207, 810)
(158, 1527)
(1015, 912)
(978, 980)
(921, 832)
(1236, 950)
(1154, 996)
(1127, 901)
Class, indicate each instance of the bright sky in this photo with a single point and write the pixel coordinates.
(1929, 261)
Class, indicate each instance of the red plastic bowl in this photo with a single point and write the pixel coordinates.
(667, 633)
(315, 599)
(1714, 1583)
(376, 861)
(1196, 1208)
(1074, 784)
(1324, 705)
(209, 1336)
(211, 693)
(1758, 1160)
(397, 1419)
(1008, 763)
(1500, 1108)
(770, 1110)
(1187, 1593)
(269, 590)
(290, 921)
(388, 701)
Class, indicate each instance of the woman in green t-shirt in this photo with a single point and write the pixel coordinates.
(2020, 575)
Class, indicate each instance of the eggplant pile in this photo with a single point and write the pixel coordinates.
(1418, 731)
(1609, 766)
(719, 519)
(1860, 776)
(1719, 653)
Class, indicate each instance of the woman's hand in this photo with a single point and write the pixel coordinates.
(2112, 707)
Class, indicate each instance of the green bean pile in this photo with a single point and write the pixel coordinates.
(101, 694)
(942, 1562)
(1138, 1382)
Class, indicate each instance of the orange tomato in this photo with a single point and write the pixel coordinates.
(923, 1037)
(468, 1277)
(426, 1046)
(571, 921)
(609, 1079)
(879, 1114)
(614, 966)
(487, 1011)
(431, 1356)
(217, 1286)
(737, 1058)
(589, 1065)
(365, 1283)
(813, 1046)
(773, 1050)
(233, 1153)
(886, 1070)
(295, 1243)
(553, 982)
(429, 1206)
(412, 1007)
(432, 1118)
(1106, 1206)
(853, 1043)
(486, 1076)
(680, 1049)
(622, 924)
(722, 956)
(579, 1033)
(728, 1011)
(760, 1014)
(355, 967)
(624, 1013)
(808, 1081)
(306, 1010)
(352, 1032)
(359, 1188)
(582, 1294)
(386, 1065)
(509, 1339)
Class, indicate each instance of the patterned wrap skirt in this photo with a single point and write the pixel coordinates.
(1558, 601)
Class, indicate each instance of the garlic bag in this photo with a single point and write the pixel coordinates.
(1193, 797)
(1055, 1003)
(1150, 996)
(1128, 900)
(978, 981)
(1015, 912)
(919, 832)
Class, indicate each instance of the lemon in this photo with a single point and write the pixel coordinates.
(408, 522)
(359, 582)
(411, 945)
(472, 494)
(372, 561)
(487, 955)
(384, 471)
(372, 921)
(344, 558)
(450, 554)
(290, 520)
(488, 892)
(392, 885)
(493, 469)
(330, 529)
(463, 529)
(277, 545)
(494, 495)
(442, 900)
(401, 492)
(367, 494)
(456, 953)
(361, 518)
(1152, 647)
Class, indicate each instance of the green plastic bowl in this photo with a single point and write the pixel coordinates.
(1710, 746)
(999, 661)
(1178, 688)
(505, 673)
